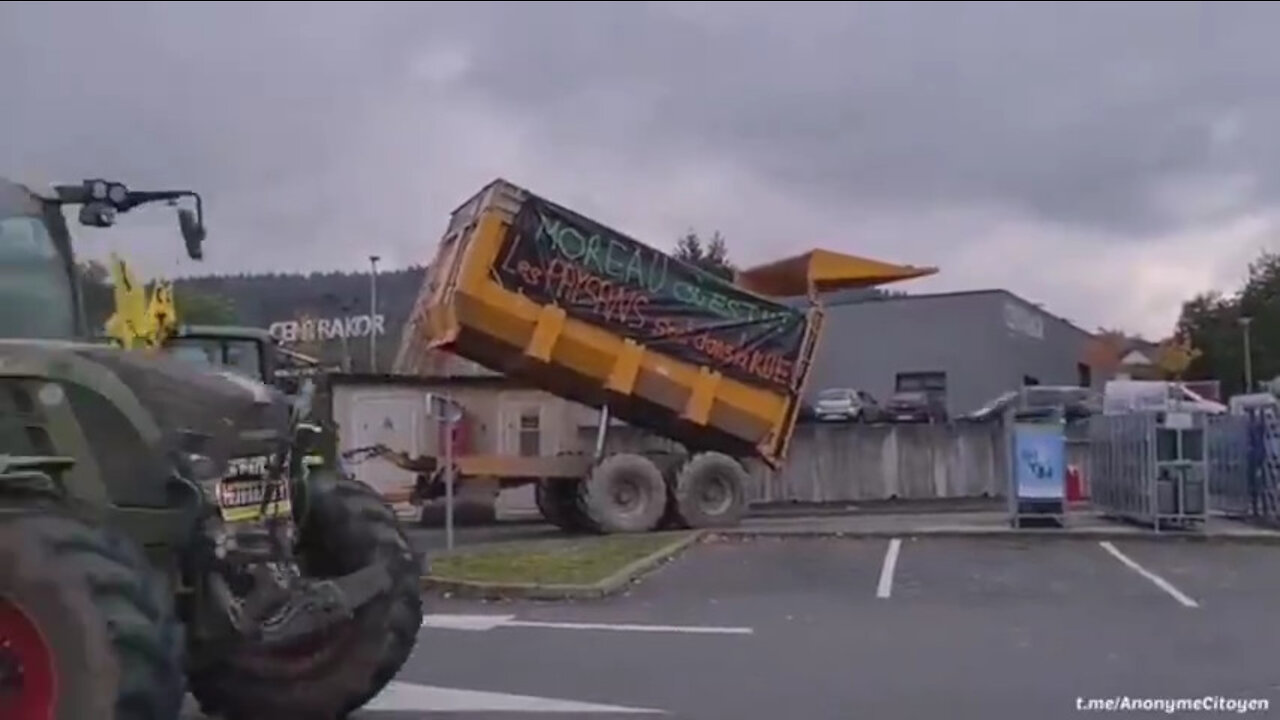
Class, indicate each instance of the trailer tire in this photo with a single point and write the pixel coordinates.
(711, 491)
(557, 500)
(625, 493)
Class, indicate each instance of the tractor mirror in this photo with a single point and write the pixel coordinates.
(193, 233)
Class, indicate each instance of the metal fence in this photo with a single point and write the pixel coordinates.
(1245, 461)
(1229, 464)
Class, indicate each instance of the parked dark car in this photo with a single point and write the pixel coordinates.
(1076, 403)
(914, 406)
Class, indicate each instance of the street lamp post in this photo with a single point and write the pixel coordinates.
(373, 313)
(1248, 354)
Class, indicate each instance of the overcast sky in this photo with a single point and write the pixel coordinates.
(1105, 160)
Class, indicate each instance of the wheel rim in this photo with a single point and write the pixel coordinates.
(716, 496)
(28, 683)
(629, 496)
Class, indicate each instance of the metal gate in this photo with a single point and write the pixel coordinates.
(1151, 468)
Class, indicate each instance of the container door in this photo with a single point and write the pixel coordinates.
(394, 419)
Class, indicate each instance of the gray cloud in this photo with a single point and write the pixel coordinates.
(322, 133)
(1071, 112)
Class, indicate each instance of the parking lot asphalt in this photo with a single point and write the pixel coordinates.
(821, 628)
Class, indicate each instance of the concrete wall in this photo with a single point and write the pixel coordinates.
(826, 463)
(862, 463)
(837, 463)
(849, 463)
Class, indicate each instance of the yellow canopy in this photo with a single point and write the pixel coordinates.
(819, 271)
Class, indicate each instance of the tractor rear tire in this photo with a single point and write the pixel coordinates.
(711, 491)
(557, 500)
(87, 630)
(346, 527)
(624, 494)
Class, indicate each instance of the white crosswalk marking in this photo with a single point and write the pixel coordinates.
(885, 588)
(403, 697)
(490, 622)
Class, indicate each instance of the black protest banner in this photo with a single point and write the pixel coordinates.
(556, 256)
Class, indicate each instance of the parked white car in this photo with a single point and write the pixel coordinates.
(845, 405)
(1241, 404)
(1126, 396)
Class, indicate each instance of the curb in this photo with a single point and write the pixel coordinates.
(876, 509)
(1088, 534)
(538, 591)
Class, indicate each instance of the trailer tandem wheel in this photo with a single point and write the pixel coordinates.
(557, 500)
(711, 491)
(624, 494)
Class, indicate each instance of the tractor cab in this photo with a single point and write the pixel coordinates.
(243, 350)
(40, 298)
(251, 353)
(247, 351)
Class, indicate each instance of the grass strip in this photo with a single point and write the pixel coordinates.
(560, 561)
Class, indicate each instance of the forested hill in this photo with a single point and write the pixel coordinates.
(336, 304)
(320, 314)
(315, 312)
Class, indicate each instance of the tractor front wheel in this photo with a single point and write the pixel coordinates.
(345, 527)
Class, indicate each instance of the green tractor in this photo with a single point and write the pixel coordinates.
(158, 534)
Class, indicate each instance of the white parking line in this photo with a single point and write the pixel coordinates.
(482, 623)
(1158, 581)
(885, 588)
(625, 627)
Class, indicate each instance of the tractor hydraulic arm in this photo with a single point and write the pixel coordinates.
(420, 464)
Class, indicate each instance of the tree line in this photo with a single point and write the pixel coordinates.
(194, 307)
(1219, 326)
(1208, 342)
(258, 300)
(262, 298)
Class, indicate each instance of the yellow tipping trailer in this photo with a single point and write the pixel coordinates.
(538, 292)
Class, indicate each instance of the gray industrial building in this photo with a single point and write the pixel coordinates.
(966, 346)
